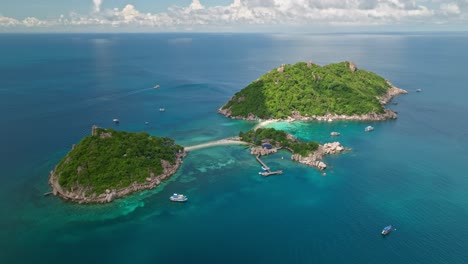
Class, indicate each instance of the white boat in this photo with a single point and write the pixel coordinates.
(156, 86)
(334, 134)
(162, 109)
(369, 128)
(418, 90)
(115, 120)
(178, 198)
(146, 123)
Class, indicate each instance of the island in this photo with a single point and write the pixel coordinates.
(307, 91)
(110, 164)
(265, 141)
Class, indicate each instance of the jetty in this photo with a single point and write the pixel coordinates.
(267, 171)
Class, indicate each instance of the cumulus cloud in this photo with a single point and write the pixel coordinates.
(97, 5)
(8, 21)
(245, 13)
(450, 8)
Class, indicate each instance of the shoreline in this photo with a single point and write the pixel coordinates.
(296, 116)
(79, 194)
(314, 159)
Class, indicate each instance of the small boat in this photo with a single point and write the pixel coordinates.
(115, 120)
(156, 86)
(418, 90)
(334, 134)
(162, 109)
(146, 123)
(178, 198)
(387, 230)
(369, 128)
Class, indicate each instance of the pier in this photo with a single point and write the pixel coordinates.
(267, 172)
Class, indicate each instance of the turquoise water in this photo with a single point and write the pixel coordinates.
(409, 172)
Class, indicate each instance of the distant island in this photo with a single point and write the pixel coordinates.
(110, 164)
(265, 141)
(306, 91)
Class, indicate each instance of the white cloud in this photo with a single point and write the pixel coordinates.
(8, 21)
(196, 5)
(97, 5)
(450, 8)
(245, 13)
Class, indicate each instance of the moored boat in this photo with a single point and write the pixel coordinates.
(178, 198)
(334, 134)
(115, 120)
(387, 230)
(369, 128)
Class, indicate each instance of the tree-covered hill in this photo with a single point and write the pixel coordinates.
(310, 89)
(110, 159)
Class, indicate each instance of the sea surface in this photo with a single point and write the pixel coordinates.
(410, 172)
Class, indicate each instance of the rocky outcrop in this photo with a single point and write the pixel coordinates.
(227, 113)
(391, 92)
(315, 159)
(352, 66)
(85, 195)
(262, 151)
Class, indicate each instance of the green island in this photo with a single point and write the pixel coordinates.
(265, 141)
(109, 164)
(278, 139)
(307, 91)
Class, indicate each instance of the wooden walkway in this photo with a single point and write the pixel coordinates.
(267, 172)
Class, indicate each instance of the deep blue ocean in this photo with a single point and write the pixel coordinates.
(409, 172)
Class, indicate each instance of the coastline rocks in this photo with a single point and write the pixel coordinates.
(391, 92)
(332, 148)
(79, 195)
(315, 159)
(227, 113)
(296, 115)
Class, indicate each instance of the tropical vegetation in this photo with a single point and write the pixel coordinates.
(114, 159)
(310, 89)
(278, 138)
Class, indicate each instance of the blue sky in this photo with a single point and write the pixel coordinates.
(231, 15)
